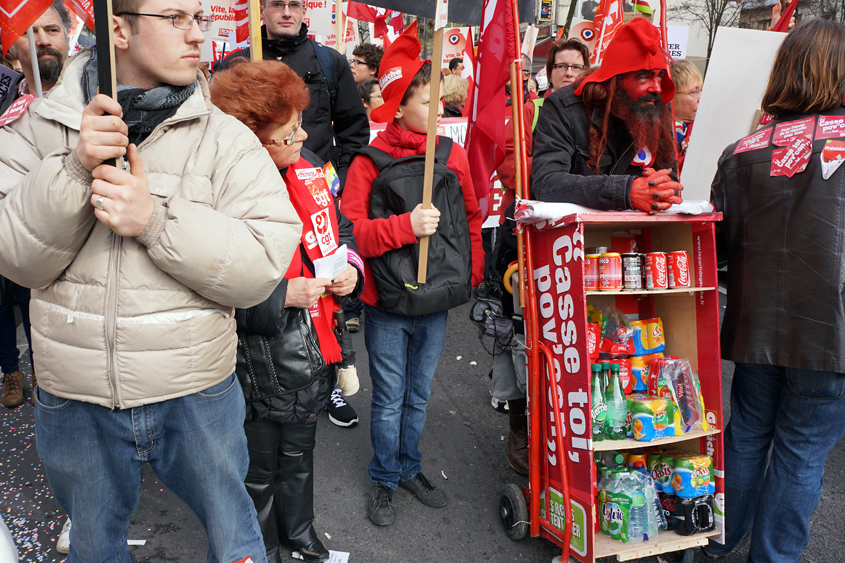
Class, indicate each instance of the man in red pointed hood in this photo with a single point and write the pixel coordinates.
(606, 141)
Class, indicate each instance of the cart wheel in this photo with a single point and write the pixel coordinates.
(685, 556)
(513, 512)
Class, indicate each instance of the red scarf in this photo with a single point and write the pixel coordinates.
(310, 196)
(404, 142)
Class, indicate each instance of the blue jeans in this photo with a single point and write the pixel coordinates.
(93, 458)
(403, 353)
(9, 353)
(800, 414)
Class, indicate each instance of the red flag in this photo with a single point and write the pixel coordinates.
(16, 16)
(783, 22)
(84, 9)
(485, 143)
(469, 69)
(378, 16)
(241, 21)
(608, 18)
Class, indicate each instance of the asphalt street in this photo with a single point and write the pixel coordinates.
(464, 452)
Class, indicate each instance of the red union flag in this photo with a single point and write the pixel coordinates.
(241, 21)
(485, 141)
(16, 16)
(84, 9)
(379, 16)
(608, 18)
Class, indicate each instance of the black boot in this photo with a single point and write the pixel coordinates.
(263, 444)
(294, 487)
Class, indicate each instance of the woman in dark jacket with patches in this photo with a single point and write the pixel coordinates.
(287, 349)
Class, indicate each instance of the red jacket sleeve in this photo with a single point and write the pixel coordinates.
(374, 236)
(458, 162)
(506, 170)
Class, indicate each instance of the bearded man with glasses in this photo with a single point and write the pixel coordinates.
(137, 270)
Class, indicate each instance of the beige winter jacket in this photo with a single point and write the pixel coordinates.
(122, 322)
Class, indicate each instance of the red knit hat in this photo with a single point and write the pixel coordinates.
(636, 46)
(399, 64)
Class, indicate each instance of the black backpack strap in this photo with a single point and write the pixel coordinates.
(327, 66)
(444, 149)
(381, 158)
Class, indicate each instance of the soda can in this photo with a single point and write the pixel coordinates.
(678, 266)
(591, 271)
(655, 271)
(632, 271)
(610, 271)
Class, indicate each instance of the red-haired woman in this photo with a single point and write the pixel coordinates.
(286, 345)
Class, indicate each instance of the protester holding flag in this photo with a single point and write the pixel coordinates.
(51, 43)
(404, 349)
(138, 271)
(599, 141)
(284, 391)
(782, 236)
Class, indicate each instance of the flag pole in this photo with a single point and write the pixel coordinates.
(339, 28)
(33, 56)
(431, 128)
(106, 74)
(256, 49)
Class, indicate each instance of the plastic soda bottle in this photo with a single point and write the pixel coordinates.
(617, 407)
(597, 404)
(605, 377)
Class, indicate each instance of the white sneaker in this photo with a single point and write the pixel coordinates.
(63, 543)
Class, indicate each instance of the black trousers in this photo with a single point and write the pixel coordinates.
(280, 481)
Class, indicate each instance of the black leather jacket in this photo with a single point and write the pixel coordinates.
(561, 151)
(279, 364)
(783, 241)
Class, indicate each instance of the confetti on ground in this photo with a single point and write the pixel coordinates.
(26, 502)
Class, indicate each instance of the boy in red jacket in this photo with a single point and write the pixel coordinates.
(403, 350)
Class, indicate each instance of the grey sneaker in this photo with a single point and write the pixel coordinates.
(425, 492)
(381, 507)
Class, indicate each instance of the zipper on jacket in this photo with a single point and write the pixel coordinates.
(111, 314)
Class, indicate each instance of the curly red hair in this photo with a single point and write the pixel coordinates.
(259, 93)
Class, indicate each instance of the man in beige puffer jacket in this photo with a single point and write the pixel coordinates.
(136, 272)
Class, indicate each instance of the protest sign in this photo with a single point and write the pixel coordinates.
(223, 12)
(585, 30)
(454, 44)
(733, 90)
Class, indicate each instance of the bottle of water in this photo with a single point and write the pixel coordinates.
(638, 518)
(617, 407)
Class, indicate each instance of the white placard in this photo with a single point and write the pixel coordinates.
(319, 17)
(733, 89)
(223, 12)
(677, 38)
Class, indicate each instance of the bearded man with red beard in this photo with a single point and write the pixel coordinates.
(606, 141)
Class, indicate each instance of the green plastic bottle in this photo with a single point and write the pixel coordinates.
(598, 406)
(605, 377)
(617, 407)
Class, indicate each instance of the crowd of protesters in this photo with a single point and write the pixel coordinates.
(176, 317)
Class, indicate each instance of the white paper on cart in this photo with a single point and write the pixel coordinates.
(332, 265)
(529, 212)
(692, 207)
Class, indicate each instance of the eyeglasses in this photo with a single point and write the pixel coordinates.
(694, 93)
(354, 62)
(181, 21)
(287, 141)
(526, 72)
(564, 67)
(280, 6)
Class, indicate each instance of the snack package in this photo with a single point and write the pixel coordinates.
(639, 371)
(648, 337)
(686, 392)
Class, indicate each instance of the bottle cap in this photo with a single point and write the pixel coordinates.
(614, 367)
(595, 367)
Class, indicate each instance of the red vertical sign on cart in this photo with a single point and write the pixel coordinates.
(559, 277)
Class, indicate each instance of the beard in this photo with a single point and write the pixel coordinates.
(644, 120)
(50, 68)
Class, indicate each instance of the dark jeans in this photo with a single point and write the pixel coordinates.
(353, 310)
(9, 353)
(800, 415)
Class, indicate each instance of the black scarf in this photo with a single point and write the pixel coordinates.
(285, 46)
(143, 110)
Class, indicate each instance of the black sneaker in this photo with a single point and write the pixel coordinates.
(381, 511)
(341, 413)
(425, 492)
(483, 290)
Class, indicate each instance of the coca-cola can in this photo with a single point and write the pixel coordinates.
(632, 271)
(656, 276)
(610, 271)
(678, 265)
(591, 271)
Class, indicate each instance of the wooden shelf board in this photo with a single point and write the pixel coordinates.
(630, 443)
(666, 541)
(647, 291)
